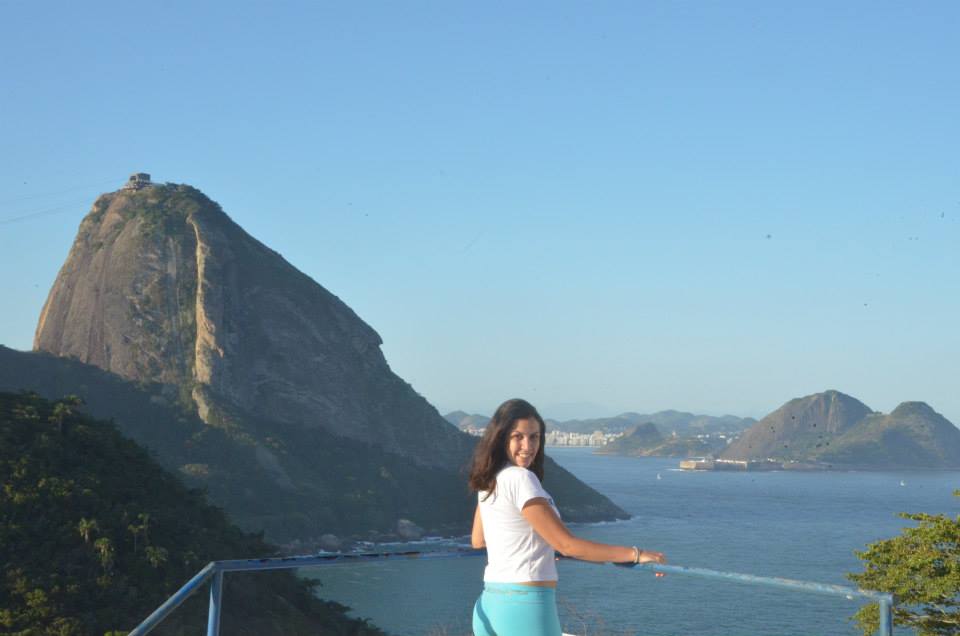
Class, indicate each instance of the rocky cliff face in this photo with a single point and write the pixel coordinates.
(162, 288)
(124, 298)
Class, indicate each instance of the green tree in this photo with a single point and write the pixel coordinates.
(141, 529)
(106, 553)
(86, 528)
(63, 409)
(921, 567)
(157, 556)
(60, 413)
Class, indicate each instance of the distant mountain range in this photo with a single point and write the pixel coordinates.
(828, 430)
(833, 430)
(667, 422)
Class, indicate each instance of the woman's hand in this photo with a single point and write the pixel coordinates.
(645, 556)
(649, 556)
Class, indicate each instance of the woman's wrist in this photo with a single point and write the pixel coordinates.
(636, 554)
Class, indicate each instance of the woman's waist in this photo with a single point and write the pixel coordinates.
(528, 577)
(522, 587)
(539, 583)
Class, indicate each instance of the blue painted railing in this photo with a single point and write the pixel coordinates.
(215, 570)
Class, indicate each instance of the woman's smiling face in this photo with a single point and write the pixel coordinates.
(523, 442)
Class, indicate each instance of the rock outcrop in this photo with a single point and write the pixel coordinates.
(163, 289)
(162, 286)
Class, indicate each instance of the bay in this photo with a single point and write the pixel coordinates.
(786, 524)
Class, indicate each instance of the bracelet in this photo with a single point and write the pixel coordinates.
(636, 554)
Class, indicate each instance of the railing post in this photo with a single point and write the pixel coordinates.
(886, 617)
(216, 596)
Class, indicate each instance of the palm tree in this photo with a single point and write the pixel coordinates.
(107, 554)
(61, 412)
(63, 409)
(87, 527)
(142, 529)
(157, 556)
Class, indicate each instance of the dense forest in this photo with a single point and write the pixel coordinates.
(94, 535)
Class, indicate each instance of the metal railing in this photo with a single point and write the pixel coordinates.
(215, 570)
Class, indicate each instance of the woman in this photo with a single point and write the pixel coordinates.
(519, 525)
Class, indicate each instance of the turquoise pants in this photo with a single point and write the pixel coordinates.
(508, 609)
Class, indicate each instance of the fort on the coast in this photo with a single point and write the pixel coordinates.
(704, 463)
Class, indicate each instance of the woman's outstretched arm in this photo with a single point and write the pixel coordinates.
(476, 537)
(545, 522)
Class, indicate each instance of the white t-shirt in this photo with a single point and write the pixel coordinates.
(515, 552)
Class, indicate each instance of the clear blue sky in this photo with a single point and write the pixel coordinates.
(601, 207)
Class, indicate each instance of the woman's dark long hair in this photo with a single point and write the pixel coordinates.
(491, 452)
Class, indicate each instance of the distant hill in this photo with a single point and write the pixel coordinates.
(645, 440)
(688, 447)
(835, 430)
(913, 435)
(637, 440)
(463, 420)
(668, 422)
(94, 535)
(799, 428)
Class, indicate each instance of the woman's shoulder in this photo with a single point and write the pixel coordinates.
(511, 470)
(516, 474)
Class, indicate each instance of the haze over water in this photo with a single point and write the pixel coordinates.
(795, 525)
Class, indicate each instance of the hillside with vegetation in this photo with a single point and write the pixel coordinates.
(637, 440)
(94, 535)
(645, 440)
(368, 488)
(913, 435)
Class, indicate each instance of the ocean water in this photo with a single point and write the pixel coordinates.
(795, 525)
